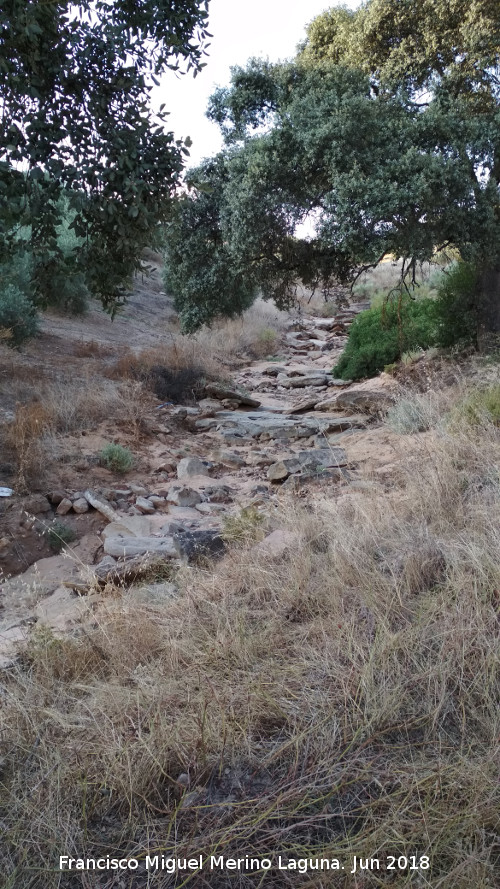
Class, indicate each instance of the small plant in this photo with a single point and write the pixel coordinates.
(243, 528)
(117, 458)
(58, 535)
(481, 407)
(411, 415)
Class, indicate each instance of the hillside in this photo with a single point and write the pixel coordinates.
(275, 637)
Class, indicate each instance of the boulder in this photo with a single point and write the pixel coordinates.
(181, 495)
(374, 401)
(104, 508)
(64, 507)
(222, 391)
(194, 546)
(190, 466)
(36, 504)
(126, 547)
(145, 506)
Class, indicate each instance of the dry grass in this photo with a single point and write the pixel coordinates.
(34, 437)
(212, 351)
(341, 701)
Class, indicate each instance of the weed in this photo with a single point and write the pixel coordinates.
(116, 458)
(478, 408)
(58, 535)
(243, 528)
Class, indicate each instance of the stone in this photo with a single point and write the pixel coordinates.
(145, 506)
(221, 391)
(104, 567)
(218, 494)
(180, 495)
(278, 471)
(55, 497)
(139, 490)
(80, 505)
(371, 401)
(104, 508)
(155, 500)
(315, 380)
(341, 384)
(151, 594)
(194, 546)
(127, 547)
(64, 507)
(307, 404)
(277, 544)
(231, 459)
(61, 609)
(36, 504)
(190, 466)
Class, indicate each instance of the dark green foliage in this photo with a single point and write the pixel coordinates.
(58, 535)
(75, 80)
(180, 386)
(345, 140)
(456, 306)
(380, 336)
(18, 315)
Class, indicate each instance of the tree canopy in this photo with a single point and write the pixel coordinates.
(383, 135)
(77, 128)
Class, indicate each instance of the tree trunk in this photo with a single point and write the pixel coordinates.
(488, 332)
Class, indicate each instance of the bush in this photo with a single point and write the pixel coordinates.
(58, 535)
(456, 306)
(17, 315)
(380, 336)
(117, 458)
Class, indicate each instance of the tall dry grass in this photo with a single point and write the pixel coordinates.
(342, 700)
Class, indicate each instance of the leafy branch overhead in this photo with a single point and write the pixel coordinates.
(75, 84)
(383, 135)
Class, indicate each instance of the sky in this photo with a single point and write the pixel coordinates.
(241, 29)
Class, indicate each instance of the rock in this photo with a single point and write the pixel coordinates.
(278, 471)
(126, 547)
(104, 567)
(221, 391)
(155, 500)
(151, 594)
(80, 505)
(55, 497)
(194, 546)
(190, 466)
(218, 494)
(341, 384)
(183, 496)
(307, 404)
(229, 458)
(371, 401)
(64, 507)
(104, 508)
(145, 506)
(36, 504)
(61, 609)
(139, 490)
(274, 370)
(11, 640)
(312, 460)
(315, 380)
(277, 544)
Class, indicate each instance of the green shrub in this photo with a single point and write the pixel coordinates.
(456, 305)
(58, 535)
(18, 315)
(380, 336)
(117, 458)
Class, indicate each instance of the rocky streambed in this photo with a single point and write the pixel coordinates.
(281, 426)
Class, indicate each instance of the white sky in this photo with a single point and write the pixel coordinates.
(241, 29)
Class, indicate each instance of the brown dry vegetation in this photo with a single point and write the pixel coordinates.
(341, 701)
